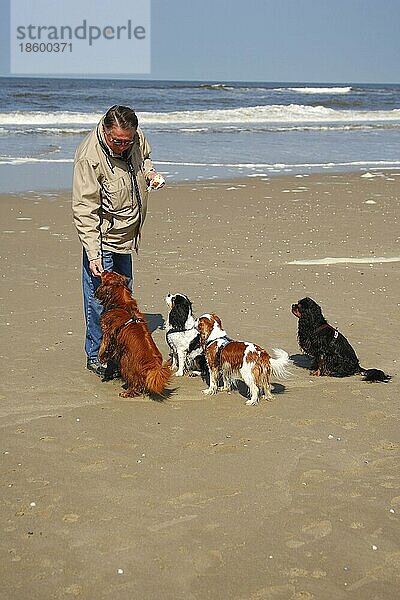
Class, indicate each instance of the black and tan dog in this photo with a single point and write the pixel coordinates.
(332, 353)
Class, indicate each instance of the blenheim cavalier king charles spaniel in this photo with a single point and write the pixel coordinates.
(239, 360)
(183, 338)
(127, 341)
(333, 354)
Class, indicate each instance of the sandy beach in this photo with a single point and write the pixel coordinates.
(201, 497)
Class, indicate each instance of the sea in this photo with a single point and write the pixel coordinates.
(200, 130)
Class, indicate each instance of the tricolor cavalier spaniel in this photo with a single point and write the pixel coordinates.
(182, 337)
(239, 360)
(333, 354)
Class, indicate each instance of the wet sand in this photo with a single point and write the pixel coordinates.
(201, 497)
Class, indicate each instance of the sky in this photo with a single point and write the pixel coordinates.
(332, 41)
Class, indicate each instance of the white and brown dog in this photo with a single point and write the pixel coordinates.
(239, 360)
(183, 338)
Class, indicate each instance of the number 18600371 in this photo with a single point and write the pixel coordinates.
(46, 47)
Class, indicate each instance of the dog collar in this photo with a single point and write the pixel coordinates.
(225, 342)
(327, 326)
(225, 339)
(178, 330)
(133, 320)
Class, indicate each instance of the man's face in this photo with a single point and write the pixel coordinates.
(119, 139)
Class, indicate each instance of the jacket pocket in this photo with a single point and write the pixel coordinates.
(116, 194)
(107, 223)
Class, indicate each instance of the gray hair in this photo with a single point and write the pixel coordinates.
(121, 116)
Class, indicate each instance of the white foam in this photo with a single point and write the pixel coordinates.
(194, 129)
(48, 118)
(344, 260)
(272, 167)
(270, 113)
(320, 90)
(25, 160)
(258, 175)
(356, 163)
(254, 114)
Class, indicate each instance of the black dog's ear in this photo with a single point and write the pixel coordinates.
(180, 311)
(178, 299)
(309, 307)
(182, 299)
(308, 304)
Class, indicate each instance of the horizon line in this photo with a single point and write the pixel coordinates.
(180, 80)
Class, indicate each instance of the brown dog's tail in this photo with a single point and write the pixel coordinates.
(158, 378)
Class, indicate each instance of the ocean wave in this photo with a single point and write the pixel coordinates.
(211, 129)
(318, 90)
(272, 128)
(292, 113)
(216, 86)
(351, 165)
(20, 118)
(26, 160)
(275, 113)
(297, 89)
(357, 163)
(51, 131)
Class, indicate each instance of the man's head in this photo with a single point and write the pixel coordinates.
(120, 124)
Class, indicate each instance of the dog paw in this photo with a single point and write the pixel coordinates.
(178, 374)
(128, 394)
(194, 373)
(209, 391)
(251, 402)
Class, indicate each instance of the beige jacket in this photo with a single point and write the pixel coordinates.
(107, 211)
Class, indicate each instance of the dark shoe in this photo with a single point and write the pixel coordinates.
(96, 368)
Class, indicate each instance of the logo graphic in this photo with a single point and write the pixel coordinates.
(80, 37)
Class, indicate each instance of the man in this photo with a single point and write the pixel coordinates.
(112, 172)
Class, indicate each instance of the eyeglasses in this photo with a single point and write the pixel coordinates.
(121, 142)
(118, 142)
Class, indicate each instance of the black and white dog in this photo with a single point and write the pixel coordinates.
(183, 338)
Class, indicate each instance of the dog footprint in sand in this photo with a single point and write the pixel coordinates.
(318, 529)
(70, 518)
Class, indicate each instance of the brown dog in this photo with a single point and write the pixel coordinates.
(127, 340)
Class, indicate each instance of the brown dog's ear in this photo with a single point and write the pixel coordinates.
(217, 319)
(199, 323)
(104, 275)
(200, 326)
(119, 278)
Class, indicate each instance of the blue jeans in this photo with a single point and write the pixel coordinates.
(112, 261)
